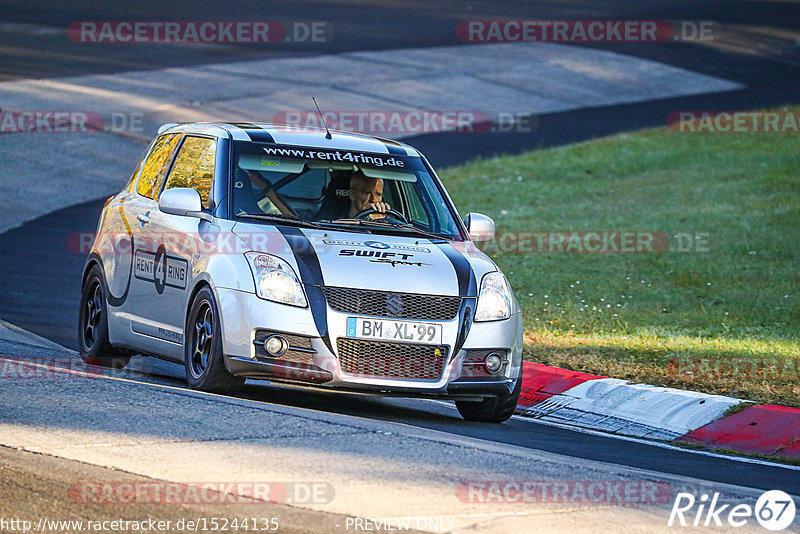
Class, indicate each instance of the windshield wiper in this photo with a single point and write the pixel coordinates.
(411, 228)
(343, 220)
(288, 219)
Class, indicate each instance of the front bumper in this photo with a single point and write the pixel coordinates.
(243, 315)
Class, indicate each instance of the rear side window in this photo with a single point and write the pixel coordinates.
(194, 167)
(155, 168)
(131, 185)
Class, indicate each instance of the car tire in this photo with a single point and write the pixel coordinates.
(202, 348)
(491, 409)
(93, 343)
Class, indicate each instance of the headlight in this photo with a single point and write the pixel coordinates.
(494, 300)
(275, 279)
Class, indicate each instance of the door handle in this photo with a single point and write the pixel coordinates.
(143, 218)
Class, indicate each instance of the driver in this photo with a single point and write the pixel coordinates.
(366, 193)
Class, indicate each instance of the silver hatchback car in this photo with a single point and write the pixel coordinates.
(333, 260)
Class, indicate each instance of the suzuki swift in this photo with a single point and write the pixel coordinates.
(332, 260)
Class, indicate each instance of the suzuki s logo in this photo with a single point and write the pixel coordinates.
(394, 304)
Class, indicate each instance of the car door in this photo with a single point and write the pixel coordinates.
(141, 210)
(174, 239)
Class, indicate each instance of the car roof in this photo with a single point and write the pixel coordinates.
(283, 134)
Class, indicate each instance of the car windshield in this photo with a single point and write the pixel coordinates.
(337, 188)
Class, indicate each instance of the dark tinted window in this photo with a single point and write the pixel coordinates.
(325, 185)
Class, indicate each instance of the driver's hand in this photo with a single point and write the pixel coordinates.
(380, 207)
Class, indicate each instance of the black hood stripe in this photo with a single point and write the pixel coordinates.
(467, 287)
(311, 277)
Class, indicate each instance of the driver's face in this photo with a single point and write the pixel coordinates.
(365, 193)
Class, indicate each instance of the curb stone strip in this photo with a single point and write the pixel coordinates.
(766, 429)
(641, 410)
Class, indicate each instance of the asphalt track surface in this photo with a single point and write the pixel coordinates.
(40, 284)
(44, 298)
(37, 485)
(755, 44)
(365, 25)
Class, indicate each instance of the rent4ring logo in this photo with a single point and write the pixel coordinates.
(773, 510)
(161, 269)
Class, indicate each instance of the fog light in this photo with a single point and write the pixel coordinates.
(276, 346)
(493, 362)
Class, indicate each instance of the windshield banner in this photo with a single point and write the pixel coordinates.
(344, 156)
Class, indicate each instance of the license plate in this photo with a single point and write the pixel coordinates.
(389, 330)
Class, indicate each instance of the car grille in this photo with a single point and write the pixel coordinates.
(391, 360)
(391, 304)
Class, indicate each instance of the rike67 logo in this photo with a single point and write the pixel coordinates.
(774, 510)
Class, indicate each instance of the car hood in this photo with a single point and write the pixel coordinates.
(368, 261)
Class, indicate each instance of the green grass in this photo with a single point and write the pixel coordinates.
(628, 315)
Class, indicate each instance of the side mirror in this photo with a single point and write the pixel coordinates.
(479, 226)
(183, 201)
